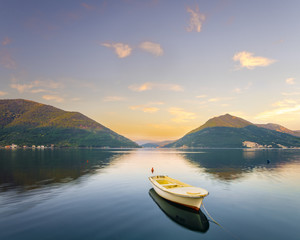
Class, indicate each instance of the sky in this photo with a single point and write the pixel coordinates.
(154, 69)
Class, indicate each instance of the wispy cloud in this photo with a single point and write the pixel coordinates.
(247, 60)
(284, 107)
(114, 99)
(23, 87)
(144, 108)
(153, 48)
(6, 60)
(196, 19)
(180, 115)
(38, 90)
(87, 6)
(284, 103)
(290, 81)
(201, 96)
(6, 41)
(53, 98)
(122, 50)
(243, 89)
(159, 86)
(290, 93)
(148, 108)
(3, 93)
(36, 86)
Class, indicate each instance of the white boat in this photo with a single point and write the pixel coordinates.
(178, 192)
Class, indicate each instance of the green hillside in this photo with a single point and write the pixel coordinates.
(226, 120)
(26, 122)
(213, 134)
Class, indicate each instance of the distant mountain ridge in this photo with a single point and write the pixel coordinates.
(155, 144)
(26, 122)
(228, 131)
(279, 128)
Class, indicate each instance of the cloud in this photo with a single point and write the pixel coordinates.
(6, 60)
(23, 87)
(153, 48)
(201, 96)
(284, 103)
(121, 49)
(290, 81)
(114, 99)
(247, 60)
(181, 115)
(6, 41)
(159, 86)
(284, 107)
(38, 90)
(144, 108)
(241, 90)
(196, 20)
(237, 90)
(3, 93)
(214, 99)
(53, 98)
(87, 6)
(290, 93)
(35, 84)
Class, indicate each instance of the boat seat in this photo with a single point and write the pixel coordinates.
(171, 185)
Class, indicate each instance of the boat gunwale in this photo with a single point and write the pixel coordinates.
(177, 194)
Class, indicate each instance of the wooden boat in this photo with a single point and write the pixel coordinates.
(184, 216)
(178, 192)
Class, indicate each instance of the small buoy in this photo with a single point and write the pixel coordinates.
(87, 161)
(152, 170)
(268, 161)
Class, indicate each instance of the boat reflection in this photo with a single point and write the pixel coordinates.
(186, 217)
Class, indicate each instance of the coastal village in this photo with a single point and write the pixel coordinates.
(14, 146)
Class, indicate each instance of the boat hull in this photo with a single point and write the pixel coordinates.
(194, 203)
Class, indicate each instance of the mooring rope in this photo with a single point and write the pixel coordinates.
(214, 221)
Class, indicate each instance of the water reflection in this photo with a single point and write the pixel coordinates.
(27, 170)
(232, 164)
(186, 217)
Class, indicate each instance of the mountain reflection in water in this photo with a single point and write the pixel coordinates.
(236, 163)
(186, 217)
(26, 169)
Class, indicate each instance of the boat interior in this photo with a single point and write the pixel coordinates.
(168, 182)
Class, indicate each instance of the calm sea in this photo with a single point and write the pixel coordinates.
(106, 194)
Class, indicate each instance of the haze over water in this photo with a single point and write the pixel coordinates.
(106, 194)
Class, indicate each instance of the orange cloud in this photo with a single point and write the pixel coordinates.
(87, 6)
(153, 48)
(290, 81)
(121, 49)
(35, 84)
(53, 98)
(247, 60)
(181, 115)
(3, 93)
(160, 86)
(144, 108)
(6, 41)
(196, 20)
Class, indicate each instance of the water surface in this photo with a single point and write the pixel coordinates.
(106, 194)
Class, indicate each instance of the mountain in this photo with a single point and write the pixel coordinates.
(279, 128)
(228, 131)
(155, 144)
(25, 122)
